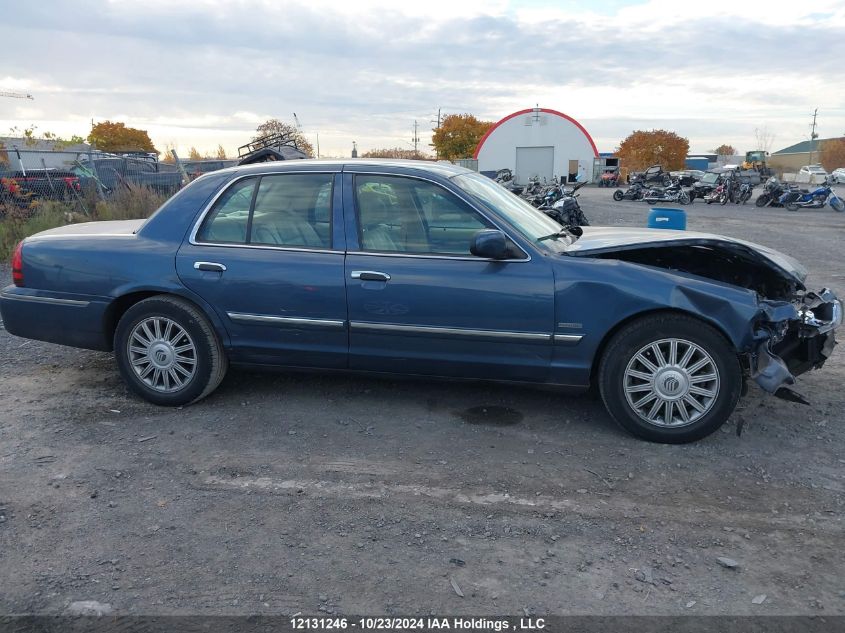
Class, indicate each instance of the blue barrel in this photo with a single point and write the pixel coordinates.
(667, 219)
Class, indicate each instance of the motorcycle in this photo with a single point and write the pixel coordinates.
(566, 211)
(816, 199)
(772, 192)
(743, 193)
(505, 178)
(634, 192)
(673, 193)
(720, 194)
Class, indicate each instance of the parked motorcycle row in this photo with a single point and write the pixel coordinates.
(728, 187)
(556, 200)
(779, 194)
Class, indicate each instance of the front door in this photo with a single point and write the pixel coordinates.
(265, 258)
(420, 303)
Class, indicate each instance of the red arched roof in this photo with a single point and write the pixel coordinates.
(529, 111)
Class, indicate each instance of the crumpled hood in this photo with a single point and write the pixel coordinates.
(608, 239)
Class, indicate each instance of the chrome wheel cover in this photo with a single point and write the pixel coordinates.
(162, 354)
(671, 383)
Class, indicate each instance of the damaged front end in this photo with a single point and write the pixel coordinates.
(793, 338)
(793, 329)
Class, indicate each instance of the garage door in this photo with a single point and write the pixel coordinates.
(534, 162)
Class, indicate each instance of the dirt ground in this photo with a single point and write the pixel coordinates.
(344, 494)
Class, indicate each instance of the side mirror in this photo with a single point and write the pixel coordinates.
(489, 244)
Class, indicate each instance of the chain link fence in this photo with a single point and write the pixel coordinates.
(78, 180)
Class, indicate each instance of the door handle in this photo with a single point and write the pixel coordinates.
(370, 275)
(210, 266)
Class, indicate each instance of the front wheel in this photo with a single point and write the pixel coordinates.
(168, 352)
(723, 199)
(670, 378)
(762, 200)
(618, 195)
(684, 198)
(837, 204)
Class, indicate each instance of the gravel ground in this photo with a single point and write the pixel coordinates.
(342, 494)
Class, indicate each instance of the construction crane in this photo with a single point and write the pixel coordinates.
(299, 128)
(15, 95)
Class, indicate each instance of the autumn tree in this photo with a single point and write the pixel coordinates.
(655, 147)
(833, 154)
(221, 153)
(287, 131)
(725, 150)
(392, 152)
(114, 136)
(193, 154)
(458, 136)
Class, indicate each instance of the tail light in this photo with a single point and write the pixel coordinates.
(17, 265)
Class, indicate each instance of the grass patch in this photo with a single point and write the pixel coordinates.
(125, 204)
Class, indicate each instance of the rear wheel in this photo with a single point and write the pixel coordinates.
(792, 206)
(618, 195)
(670, 378)
(167, 351)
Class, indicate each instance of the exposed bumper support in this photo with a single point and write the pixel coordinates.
(798, 345)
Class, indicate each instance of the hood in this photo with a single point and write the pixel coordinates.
(600, 240)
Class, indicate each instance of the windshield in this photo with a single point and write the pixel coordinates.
(532, 223)
(709, 177)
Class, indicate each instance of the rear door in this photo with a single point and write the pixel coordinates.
(265, 255)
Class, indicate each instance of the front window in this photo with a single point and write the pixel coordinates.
(532, 223)
(406, 215)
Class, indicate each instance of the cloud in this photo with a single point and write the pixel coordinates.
(199, 72)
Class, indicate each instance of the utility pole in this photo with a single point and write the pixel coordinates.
(437, 128)
(813, 135)
(416, 138)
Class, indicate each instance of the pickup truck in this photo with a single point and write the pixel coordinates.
(21, 188)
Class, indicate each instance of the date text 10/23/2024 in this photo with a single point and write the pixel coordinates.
(459, 623)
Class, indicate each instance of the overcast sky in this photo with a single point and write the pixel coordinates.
(204, 72)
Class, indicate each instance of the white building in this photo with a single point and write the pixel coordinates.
(538, 142)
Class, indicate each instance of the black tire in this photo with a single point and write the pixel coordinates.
(837, 204)
(630, 341)
(618, 195)
(667, 180)
(762, 200)
(723, 199)
(210, 361)
(792, 206)
(684, 198)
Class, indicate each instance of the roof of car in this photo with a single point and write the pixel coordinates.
(441, 168)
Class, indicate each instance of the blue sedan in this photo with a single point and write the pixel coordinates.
(425, 269)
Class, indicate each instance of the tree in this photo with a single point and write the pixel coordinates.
(193, 154)
(833, 154)
(111, 136)
(725, 150)
(764, 138)
(221, 153)
(287, 131)
(656, 147)
(458, 136)
(393, 152)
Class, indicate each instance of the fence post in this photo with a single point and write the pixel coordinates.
(47, 173)
(180, 167)
(20, 160)
(96, 175)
